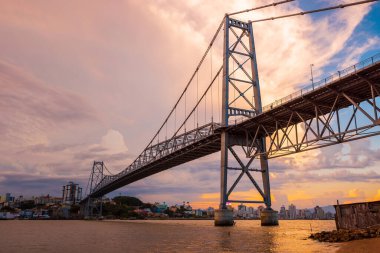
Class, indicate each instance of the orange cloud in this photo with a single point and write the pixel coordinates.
(376, 197)
(353, 193)
(210, 196)
(299, 195)
(238, 195)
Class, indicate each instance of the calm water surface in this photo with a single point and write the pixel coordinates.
(160, 236)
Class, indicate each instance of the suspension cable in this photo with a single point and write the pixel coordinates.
(191, 78)
(175, 118)
(199, 101)
(219, 105)
(107, 170)
(260, 7)
(205, 108)
(314, 11)
(212, 107)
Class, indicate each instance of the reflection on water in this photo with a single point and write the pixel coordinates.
(160, 236)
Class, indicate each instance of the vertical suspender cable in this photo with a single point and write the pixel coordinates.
(197, 98)
(212, 107)
(206, 108)
(175, 118)
(219, 109)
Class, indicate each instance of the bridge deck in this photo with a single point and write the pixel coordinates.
(355, 85)
(206, 139)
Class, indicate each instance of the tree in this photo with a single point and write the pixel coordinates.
(127, 200)
(7, 209)
(27, 204)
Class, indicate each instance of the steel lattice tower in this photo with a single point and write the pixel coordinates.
(235, 51)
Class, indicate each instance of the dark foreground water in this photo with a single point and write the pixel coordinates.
(160, 236)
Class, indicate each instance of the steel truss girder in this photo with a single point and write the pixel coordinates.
(326, 126)
(161, 150)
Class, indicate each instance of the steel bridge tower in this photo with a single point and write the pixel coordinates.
(237, 35)
(93, 207)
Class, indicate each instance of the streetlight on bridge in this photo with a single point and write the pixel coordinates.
(311, 72)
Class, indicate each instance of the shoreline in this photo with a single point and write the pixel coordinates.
(360, 246)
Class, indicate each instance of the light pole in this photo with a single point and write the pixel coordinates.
(312, 79)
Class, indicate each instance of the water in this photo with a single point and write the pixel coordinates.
(160, 236)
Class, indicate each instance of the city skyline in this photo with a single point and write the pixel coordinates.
(71, 197)
(94, 83)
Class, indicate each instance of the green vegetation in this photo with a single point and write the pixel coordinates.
(127, 200)
(123, 207)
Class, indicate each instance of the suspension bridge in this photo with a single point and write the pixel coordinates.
(220, 109)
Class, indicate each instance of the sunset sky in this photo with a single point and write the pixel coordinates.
(93, 80)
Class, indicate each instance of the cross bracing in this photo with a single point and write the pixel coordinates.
(341, 108)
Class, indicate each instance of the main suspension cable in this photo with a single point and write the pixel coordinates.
(199, 101)
(315, 11)
(260, 7)
(191, 79)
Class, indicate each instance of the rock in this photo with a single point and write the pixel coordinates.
(345, 235)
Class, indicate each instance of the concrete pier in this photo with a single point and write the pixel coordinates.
(223, 217)
(269, 217)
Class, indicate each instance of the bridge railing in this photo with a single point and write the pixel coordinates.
(339, 74)
(162, 149)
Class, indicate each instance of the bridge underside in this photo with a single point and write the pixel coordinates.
(344, 110)
(194, 151)
(297, 124)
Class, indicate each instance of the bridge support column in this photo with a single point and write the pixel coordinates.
(92, 207)
(244, 58)
(223, 216)
(268, 216)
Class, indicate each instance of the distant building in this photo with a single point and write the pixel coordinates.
(9, 197)
(319, 213)
(210, 211)
(282, 212)
(308, 214)
(187, 206)
(71, 193)
(47, 200)
(292, 212)
(159, 208)
(329, 216)
(242, 211)
(198, 212)
(259, 210)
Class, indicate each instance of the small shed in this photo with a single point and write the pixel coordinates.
(357, 215)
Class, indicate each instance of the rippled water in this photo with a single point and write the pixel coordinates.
(160, 236)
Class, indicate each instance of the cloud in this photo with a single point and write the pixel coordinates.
(113, 142)
(351, 155)
(299, 195)
(61, 163)
(31, 109)
(78, 84)
(376, 197)
(354, 193)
